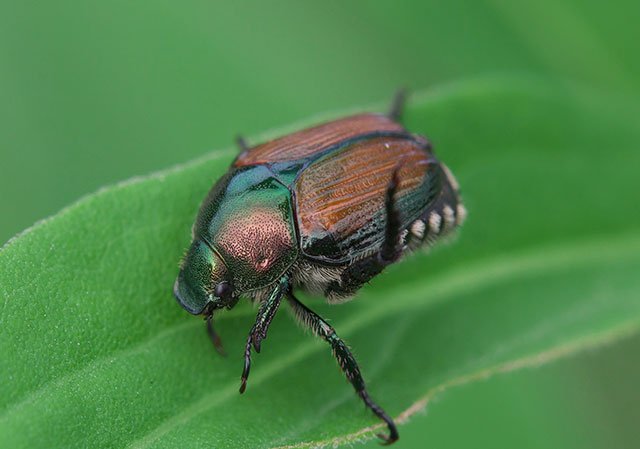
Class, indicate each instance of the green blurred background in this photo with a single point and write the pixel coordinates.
(95, 92)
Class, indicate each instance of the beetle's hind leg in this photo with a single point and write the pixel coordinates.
(345, 359)
(392, 247)
(365, 269)
(397, 104)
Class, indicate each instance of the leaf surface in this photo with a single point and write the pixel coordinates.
(97, 353)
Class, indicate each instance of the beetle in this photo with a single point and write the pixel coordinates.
(324, 210)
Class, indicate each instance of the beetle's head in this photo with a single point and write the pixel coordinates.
(202, 284)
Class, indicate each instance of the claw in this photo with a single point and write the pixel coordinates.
(388, 439)
(243, 385)
(247, 366)
(393, 431)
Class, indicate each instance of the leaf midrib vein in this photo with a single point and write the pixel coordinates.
(625, 330)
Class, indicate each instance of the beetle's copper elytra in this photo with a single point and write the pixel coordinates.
(325, 210)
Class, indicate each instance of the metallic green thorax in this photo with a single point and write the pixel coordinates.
(247, 219)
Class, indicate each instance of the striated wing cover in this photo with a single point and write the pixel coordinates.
(311, 141)
(340, 196)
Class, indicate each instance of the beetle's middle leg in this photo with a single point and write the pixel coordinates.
(345, 359)
(258, 332)
(365, 269)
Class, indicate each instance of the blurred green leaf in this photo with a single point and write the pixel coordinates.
(97, 353)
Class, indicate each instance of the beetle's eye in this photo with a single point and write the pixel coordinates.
(223, 290)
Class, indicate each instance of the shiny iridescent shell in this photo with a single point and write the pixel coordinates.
(313, 201)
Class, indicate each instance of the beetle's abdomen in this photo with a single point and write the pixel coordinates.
(308, 142)
(445, 213)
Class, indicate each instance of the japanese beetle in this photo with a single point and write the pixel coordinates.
(324, 209)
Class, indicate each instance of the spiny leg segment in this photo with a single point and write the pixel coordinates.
(345, 359)
(258, 332)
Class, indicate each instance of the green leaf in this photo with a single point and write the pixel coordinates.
(96, 352)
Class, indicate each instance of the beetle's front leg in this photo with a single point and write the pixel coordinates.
(345, 359)
(258, 332)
